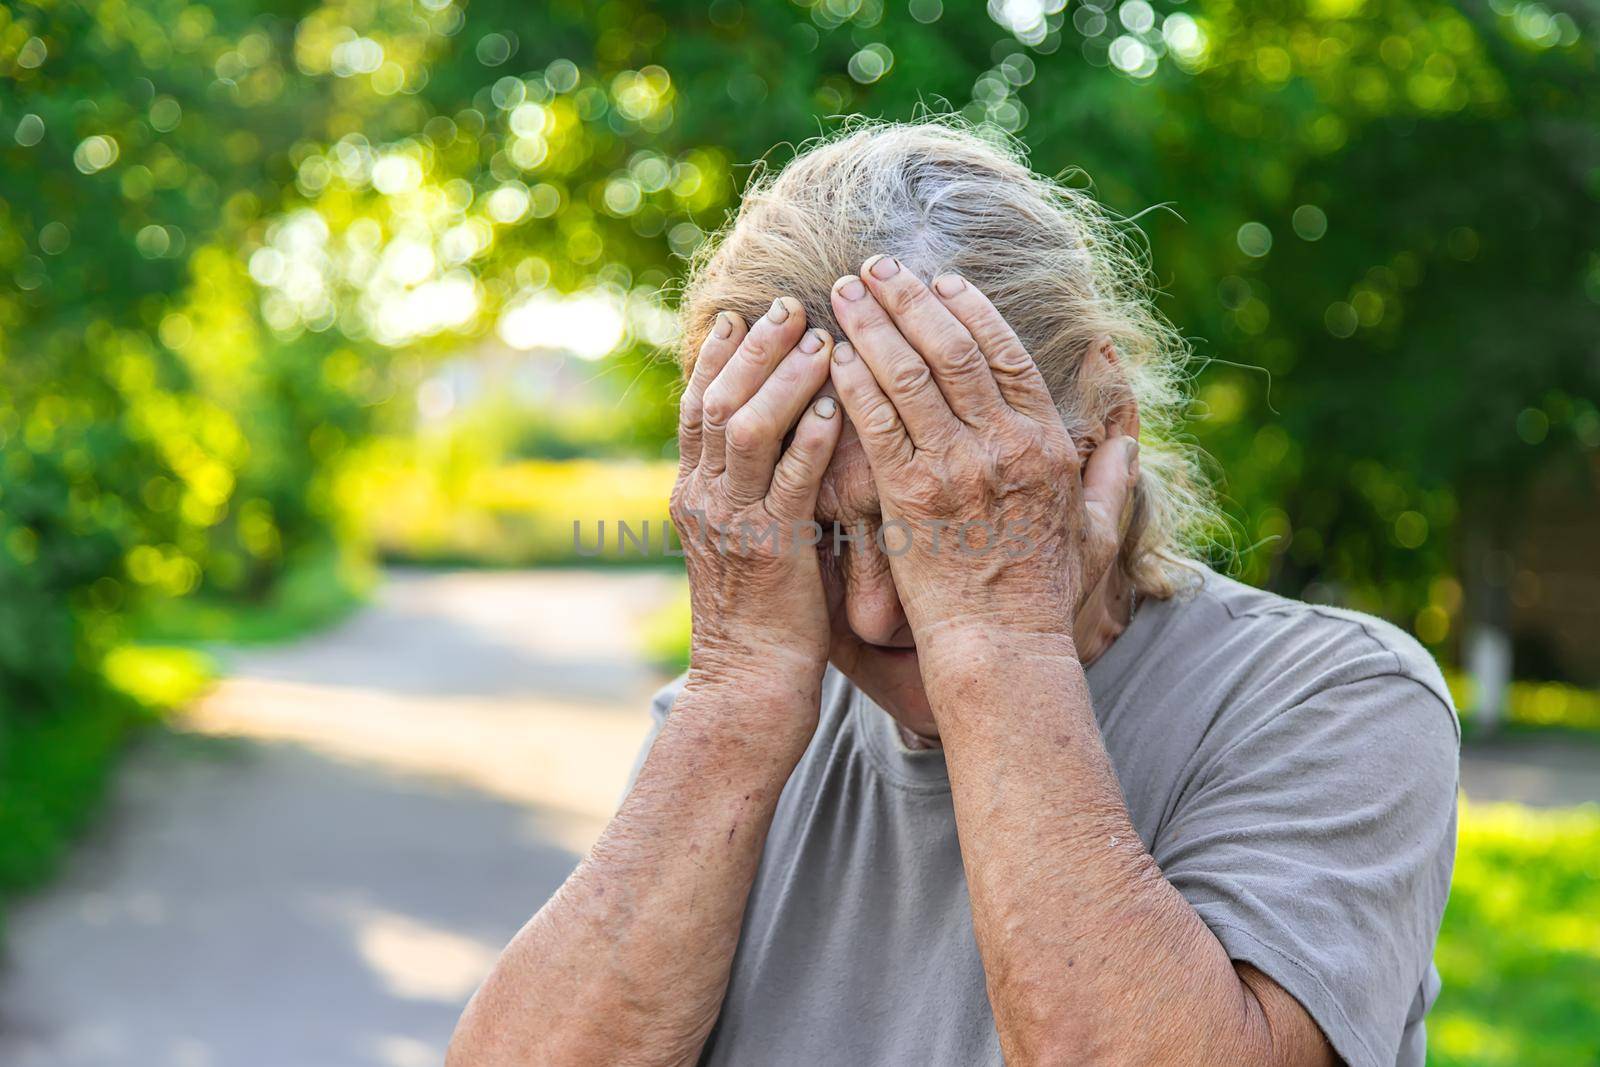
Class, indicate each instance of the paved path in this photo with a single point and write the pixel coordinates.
(319, 864)
(1543, 771)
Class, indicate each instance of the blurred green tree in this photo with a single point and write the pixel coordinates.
(233, 228)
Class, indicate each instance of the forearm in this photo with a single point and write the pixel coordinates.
(1089, 952)
(628, 962)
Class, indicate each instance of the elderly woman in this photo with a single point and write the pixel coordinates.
(972, 762)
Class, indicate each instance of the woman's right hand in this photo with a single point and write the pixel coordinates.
(744, 505)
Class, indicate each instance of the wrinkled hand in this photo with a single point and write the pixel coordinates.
(743, 505)
(963, 437)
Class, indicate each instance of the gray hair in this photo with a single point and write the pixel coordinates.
(943, 197)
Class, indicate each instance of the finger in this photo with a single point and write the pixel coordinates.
(1015, 372)
(767, 342)
(1108, 479)
(901, 372)
(756, 431)
(726, 333)
(798, 475)
(950, 351)
(875, 420)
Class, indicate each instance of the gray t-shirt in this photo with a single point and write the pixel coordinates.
(1291, 767)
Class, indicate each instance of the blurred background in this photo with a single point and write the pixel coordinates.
(321, 323)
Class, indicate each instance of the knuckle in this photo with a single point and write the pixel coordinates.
(906, 295)
(982, 314)
(788, 481)
(714, 512)
(682, 507)
(965, 353)
(909, 377)
(787, 375)
(880, 330)
(879, 419)
(1011, 358)
(765, 342)
(808, 450)
(805, 445)
(746, 430)
(712, 344)
(700, 371)
(1059, 450)
(691, 410)
(717, 407)
(994, 323)
(1003, 468)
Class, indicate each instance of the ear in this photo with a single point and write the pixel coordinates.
(1106, 387)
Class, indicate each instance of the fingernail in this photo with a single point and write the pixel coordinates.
(779, 311)
(883, 267)
(811, 343)
(843, 353)
(850, 287)
(724, 325)
(825, 407)
(949, 285)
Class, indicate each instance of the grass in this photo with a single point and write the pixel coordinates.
(54, 766)
(1520, 947)
(55, 762)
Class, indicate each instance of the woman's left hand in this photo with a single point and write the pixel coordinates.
(993, 527)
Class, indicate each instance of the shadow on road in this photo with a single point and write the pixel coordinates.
(254, 903)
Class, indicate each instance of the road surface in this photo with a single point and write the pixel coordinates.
(317, 866)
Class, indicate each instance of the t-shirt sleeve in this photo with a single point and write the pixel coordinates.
(1318, 847)
(660, 705)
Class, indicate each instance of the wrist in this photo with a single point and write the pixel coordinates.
(964, 644)
(715, 756)
(741, 655)
(773, 710)
(971, 666)
(1035, 612)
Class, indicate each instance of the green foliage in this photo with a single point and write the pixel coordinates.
(52, 772)
(53, 769)
(158, 441)
(156, 677)
(309, 596)
(1519, 951)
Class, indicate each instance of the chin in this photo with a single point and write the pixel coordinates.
(892, 678)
